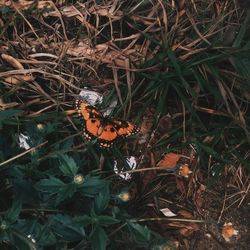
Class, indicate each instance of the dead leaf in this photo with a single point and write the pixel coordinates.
(189, 229)
(102, 53)
(169, 160)
(177, 224)
(164, 125)
(12, 61)
(180, 185)
(148, 176)
(181, 4)
(25, 5)
(1, 23)
(4, 105)
(199, 200)
(185, 214)
(18, 78)
(5, 2)
(172, 245)
(146, 126)
(45, 5)
(70, 112)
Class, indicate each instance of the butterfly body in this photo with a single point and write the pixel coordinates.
(101, 128)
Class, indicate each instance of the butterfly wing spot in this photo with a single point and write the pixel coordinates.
(87, 135)
(112, 130)
(105, 144)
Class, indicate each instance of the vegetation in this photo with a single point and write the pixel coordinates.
(180, 70)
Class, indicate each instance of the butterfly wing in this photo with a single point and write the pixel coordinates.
(108, 135)
(92, 128)
(97, 127)
(125, 128)
(108, 132)
(91, 118)
(87, 111)
(105, 134)
(113, 130)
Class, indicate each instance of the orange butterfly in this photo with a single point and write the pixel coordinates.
(98, 127)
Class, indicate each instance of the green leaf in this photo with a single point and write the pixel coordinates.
(104, 220)
(25, 191)
(21, 241)
(45, 236)
(99, 239)
(13, 213)
(5, 10)
(141, 233)
(8, 114)
(92, 185)
(56, 186)
(68, 165)
(51, 185)
(102, 200)
(83, 220)
(4, 234)
(65, 192)
(185, 101)
(243, 30)
(42, 234)
(120, 213)
(65, 228)
(175, 63)
(4, 229)
(67, 144)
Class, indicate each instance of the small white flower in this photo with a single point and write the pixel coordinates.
(91, 97)
(23, 141)
(32, 239)
(131, 160)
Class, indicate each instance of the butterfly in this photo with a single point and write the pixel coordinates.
(104, 130)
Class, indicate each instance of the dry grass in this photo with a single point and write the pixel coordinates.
(135, 51)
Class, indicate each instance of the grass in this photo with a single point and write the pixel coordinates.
(180, 72)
